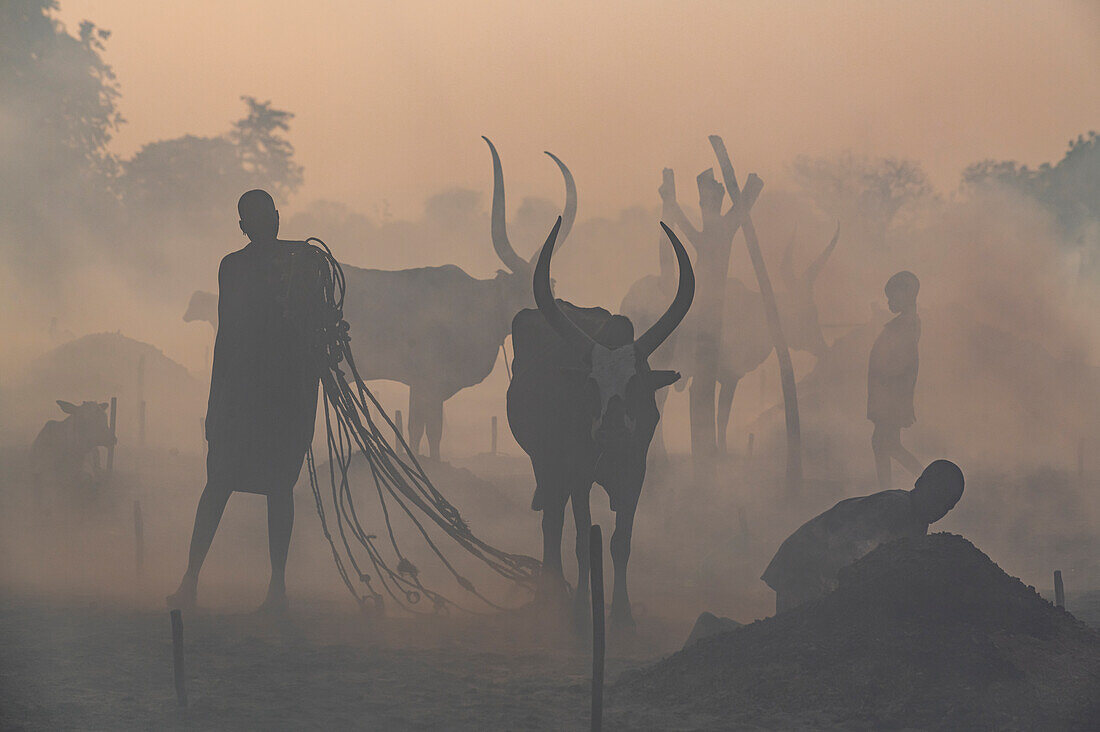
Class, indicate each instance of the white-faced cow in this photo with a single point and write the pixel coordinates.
(437, 329)
(582, 405)
(65, 455)
(746, 340)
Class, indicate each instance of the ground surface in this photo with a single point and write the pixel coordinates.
(92, 667)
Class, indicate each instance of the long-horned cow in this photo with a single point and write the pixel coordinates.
(437, 329)
(582, 405)
(61, 451)
(746, 341)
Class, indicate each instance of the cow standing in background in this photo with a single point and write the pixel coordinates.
(746, 341)
(65, 454)
(582, 405)
(437, 329)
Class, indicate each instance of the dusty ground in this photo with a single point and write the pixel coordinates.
(86, 640)
(70, 666)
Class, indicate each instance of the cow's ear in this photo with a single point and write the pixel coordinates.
(660, 379)
(66, 407)
(104, 405)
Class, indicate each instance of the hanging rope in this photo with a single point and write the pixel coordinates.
(356, 422)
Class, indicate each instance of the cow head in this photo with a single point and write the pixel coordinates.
(202, 306)
(620, 383)
(517, 278)
(800, 317)
(89, 424)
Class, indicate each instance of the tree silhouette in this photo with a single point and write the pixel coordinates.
(59, 116)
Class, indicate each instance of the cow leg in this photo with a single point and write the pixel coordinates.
(553, 521)
(416, 418)
(621, 616)
(582, 517)
(725, 406)
(434, 419)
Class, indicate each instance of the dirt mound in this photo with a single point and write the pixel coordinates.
(926, 633)
(102, 365)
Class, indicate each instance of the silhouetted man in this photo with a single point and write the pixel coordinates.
(807, 563)
(892, 378)
(263, 389)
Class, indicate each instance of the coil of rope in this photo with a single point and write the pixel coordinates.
(356, 422)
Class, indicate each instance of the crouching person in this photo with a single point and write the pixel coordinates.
(806, 565)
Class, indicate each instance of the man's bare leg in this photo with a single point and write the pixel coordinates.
(207, 517)
(280, 524)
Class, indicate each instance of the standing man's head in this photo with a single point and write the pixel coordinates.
(259, 218)
(901, 291)
(937, 490)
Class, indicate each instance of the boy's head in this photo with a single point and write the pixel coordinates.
(259, 219)
(901, 291)
(937, 490)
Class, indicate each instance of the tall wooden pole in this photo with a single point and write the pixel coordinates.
(595, 560)
(771, 312)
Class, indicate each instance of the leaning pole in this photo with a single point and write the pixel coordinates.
(771, 311)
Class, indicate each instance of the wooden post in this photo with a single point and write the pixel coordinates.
(114, 433)
(753, 184)
(752, 437)
(141, 399)
(177, 657)
(399, 423)
(139, 540)
(1059, 590)
(493, 442)
(1081, 461)
(595, 558)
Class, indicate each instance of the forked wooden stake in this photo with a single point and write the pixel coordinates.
(595, 549)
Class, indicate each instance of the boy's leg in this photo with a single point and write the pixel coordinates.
(880, 443)
(280, 524)
(207, 517)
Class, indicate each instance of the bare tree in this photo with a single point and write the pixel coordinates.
(713, 243)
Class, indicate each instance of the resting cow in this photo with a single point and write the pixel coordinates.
(581, 404)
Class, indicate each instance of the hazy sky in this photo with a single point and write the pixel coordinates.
(391, 97)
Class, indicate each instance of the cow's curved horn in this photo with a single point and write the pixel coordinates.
(569, 212)
(685, 293)
(558, 320)
(498, 226)
(819, 264)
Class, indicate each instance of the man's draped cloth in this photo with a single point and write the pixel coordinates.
(263, 386)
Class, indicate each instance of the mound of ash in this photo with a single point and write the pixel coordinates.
(926, 633)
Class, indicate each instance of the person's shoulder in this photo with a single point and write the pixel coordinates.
(230, 262)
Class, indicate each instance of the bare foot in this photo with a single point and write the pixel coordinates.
(184, 598)
(273, 604)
